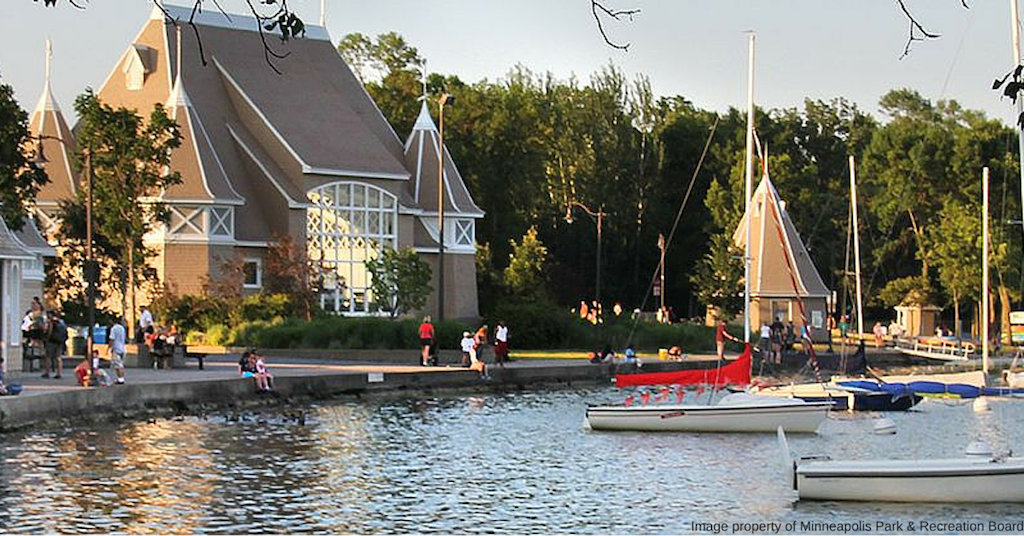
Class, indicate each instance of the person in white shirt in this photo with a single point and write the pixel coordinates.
(145, 324)
(468, 352)
(117, 349)
(501, 343)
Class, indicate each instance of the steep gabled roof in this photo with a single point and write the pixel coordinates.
(773, 240)
(30, 239)
(196, 156)
(10, 246)
(422, 151)
(57, 143)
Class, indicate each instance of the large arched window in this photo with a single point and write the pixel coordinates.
(348, 224)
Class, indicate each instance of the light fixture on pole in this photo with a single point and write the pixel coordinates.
(444, 100)
(598, 217)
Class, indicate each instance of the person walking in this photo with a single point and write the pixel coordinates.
(145, 324)
(501, 343)
(480, 342)
(56, 343)
(766, 341)
(426, 333)
(721, 335)
(118, 339)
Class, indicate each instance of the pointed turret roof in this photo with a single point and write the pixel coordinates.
(773, 241)
(47, 125)
(422, 151)
(196, 160)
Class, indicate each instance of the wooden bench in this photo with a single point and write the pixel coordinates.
(199, 356)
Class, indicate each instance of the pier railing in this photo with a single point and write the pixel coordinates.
(943, 349)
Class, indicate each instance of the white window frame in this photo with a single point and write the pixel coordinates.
(343, 226)
(259, 272)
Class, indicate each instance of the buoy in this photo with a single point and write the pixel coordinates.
(884, 426)
(980, 405)
(978, 449)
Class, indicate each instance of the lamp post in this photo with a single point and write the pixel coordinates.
(598, 217)
(661, 271)
(91, 268)
(444, 100)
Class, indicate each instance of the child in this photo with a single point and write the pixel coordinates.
(468, 352)
(263, 377)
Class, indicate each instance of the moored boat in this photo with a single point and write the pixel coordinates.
(736, 412)
(974, 478)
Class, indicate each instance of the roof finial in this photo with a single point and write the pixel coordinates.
(323, 13)
(49, 56)
(423, 79)
(177, 38)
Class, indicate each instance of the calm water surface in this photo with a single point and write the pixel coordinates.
(517, 462)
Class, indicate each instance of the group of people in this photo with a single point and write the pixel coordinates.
(46, 336)
(774, 338)
(472, 346)
(253, 365)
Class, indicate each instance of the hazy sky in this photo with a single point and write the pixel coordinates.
(694, 48)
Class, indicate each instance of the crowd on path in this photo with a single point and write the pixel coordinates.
(472, 345)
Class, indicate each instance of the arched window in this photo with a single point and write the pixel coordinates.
(349, 224)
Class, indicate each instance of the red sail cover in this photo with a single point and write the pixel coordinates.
(735, 373)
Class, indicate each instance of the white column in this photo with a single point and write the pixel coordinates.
(856, 243)
(748, 188)
(984, 271)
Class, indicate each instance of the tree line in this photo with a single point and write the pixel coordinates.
(529, 145)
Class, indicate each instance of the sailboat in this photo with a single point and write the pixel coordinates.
(735, 412)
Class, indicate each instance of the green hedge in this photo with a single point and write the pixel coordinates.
(531, 327)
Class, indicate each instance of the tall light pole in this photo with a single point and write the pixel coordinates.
(445, 100)
(598, 217)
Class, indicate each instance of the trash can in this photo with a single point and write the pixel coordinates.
(99, 335)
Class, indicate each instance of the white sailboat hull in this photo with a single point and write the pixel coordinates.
(944, 480)
(747, 415)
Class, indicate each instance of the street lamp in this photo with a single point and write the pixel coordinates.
(598, 218)
(91, 269)
(444, 100)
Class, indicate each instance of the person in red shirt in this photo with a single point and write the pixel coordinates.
(426, 339)
(720, 337)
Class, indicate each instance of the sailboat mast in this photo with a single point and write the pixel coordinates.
(856, 243)
(1015, 33)
(984, 272)
(748, 189)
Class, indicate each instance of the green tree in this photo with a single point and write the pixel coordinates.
(955, 245)
(719, 277)
(524, 276)
(401, 280)
(129, 159)
(20, 178)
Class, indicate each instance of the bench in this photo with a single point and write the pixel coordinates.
(30, 354)
(199, 356)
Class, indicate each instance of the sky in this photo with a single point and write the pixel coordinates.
(818, 49)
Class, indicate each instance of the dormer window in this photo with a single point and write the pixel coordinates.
(140, 62)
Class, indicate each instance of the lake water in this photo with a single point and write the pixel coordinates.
(518, 462)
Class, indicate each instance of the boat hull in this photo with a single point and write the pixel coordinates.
(793, 418)
(844, 399)
(958, 480)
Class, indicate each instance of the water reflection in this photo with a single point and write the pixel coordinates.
(516, 462)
